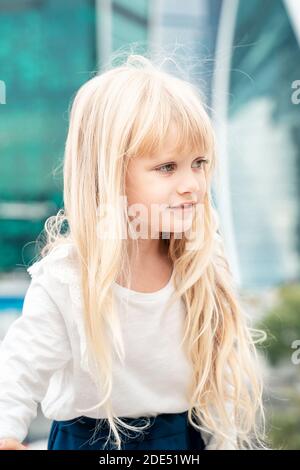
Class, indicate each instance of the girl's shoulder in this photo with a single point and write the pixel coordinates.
(61, 256)
(58, 272)
(60, 265)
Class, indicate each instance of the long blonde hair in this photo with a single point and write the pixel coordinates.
(127, 111)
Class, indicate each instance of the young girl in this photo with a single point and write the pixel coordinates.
(132, 335)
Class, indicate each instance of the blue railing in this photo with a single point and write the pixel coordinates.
(11, 303)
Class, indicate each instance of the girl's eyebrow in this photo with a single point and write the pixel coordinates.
(172, 158)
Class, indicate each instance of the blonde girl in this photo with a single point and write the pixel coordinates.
(132, 334)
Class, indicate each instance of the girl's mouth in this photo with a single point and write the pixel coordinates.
(185, 208)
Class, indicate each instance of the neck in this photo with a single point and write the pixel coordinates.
(148, 250)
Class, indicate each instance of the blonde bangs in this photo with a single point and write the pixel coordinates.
(181, 109)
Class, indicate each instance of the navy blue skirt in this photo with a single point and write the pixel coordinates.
(168, 431)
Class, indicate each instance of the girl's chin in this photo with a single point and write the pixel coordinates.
(178, 228)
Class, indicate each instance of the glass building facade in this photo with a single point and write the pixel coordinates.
(245, 64)
(244, 57)
(264, 143)
(48, 49)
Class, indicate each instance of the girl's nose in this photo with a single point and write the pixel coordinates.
(191, 184)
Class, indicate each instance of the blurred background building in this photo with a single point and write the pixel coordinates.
(243, 55)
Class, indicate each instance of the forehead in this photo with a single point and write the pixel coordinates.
(174, 147)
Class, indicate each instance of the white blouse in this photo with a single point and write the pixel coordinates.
(43, 357)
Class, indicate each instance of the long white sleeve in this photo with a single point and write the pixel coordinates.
(34, 347)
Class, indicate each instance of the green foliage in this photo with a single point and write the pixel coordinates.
(282, 324)
(285, 423)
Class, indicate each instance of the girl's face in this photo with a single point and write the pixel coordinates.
(155, 183)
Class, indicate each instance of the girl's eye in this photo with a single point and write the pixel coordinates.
(168, 165)
(202, 160)
(161, 168)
